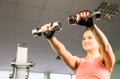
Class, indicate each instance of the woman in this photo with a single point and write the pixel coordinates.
(100, 59)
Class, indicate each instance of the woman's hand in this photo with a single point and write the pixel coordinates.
(48, 30)
(83, 18)
(47, 27)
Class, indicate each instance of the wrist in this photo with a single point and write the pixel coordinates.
(88, 23)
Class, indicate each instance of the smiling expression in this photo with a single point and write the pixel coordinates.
(88, 41)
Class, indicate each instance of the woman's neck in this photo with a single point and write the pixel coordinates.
(92, 55)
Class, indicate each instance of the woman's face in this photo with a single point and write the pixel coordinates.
(88, 41)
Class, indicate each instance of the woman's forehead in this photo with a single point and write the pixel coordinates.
(87, 32)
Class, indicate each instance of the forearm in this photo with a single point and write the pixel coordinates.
(100, 37)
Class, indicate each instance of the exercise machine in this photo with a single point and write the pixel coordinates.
(20, 64)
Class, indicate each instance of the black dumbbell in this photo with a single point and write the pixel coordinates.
(95, 14)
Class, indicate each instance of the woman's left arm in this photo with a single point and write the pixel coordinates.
(105, 47)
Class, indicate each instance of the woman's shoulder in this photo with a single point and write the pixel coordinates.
(79, 60)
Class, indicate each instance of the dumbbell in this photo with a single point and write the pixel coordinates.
(94, 14)
(38, 31)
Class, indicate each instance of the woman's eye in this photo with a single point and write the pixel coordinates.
(83, 38)
(89, 37)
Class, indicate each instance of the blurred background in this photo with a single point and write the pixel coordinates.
(19, 17)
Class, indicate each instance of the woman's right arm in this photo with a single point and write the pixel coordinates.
(66, 56)
(58, 47)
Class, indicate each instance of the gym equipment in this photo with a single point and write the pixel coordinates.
(95, 14)
(20, 64)
(38, 32)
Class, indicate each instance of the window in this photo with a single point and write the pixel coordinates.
(36, 76)
(73, 77)
(6, 74)
(60, 76)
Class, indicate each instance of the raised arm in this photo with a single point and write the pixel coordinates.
(83, 18)
(105, 47)
(59, 48)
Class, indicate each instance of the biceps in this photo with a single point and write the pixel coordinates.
(71, 61)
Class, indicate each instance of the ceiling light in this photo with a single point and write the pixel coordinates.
(108, 10)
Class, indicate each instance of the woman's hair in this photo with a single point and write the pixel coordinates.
(87, 29)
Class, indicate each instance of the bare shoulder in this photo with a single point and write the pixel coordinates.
(77, 62)
(77, 59)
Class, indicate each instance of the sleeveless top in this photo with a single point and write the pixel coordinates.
(92, 69)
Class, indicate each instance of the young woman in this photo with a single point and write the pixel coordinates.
(100, 59)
